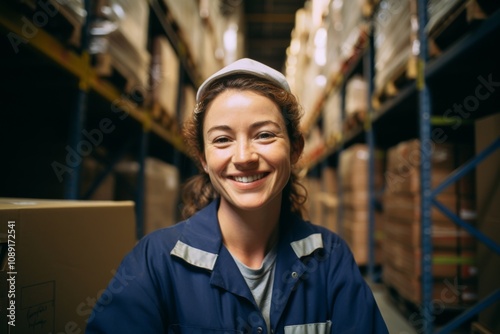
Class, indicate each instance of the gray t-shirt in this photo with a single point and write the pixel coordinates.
(260, 282)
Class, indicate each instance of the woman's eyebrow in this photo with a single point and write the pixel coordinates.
(263, 123)
(218, 127)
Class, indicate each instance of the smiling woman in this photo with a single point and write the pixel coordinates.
(244, 260)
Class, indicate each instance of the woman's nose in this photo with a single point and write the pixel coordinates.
(244, 154)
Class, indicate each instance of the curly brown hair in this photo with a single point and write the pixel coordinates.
(198, 191)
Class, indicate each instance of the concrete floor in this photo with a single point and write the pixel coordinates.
(394, 319)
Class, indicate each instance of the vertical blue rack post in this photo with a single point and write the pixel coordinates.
(340, 212)
(77, 119)
(425, 170)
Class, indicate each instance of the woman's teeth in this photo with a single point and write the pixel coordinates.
(248, 179)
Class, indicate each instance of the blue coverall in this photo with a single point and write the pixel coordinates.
(182, 279)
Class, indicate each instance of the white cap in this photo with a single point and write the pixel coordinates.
(246, 66)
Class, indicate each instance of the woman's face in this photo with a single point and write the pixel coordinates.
(247, 149)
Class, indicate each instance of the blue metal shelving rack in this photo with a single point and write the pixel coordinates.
(425, 169)
(428, 195)
(78, 64)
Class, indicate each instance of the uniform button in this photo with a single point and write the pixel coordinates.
(295, 275)
(259, 330)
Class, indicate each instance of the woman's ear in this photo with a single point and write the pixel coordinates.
(297, 148)
(203, 163)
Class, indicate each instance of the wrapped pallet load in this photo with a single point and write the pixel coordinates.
(165, 81)
(396, 45)
(453, 248)
(355, 200)
(119, 41)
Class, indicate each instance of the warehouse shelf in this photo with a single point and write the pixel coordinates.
(336, 79)
(82, 99)
(79, 66)
(177, 42)
(392, 114)
(466, 74)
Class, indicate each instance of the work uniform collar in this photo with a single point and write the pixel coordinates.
(201, 240)
(201, 245)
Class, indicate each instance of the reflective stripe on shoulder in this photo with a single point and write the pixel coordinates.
(194, 256)
(307, 245)
(315, 328)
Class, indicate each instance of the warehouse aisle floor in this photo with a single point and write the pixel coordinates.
(396, 322)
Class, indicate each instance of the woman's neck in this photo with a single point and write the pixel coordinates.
(249, 235)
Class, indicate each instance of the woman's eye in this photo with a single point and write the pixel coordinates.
(265, 135)
(221, 140)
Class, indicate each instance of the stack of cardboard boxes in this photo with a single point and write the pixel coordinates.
(454, 270)
(488, 217)
(355, 200)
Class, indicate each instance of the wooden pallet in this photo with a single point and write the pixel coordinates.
(161, 116)
(120, 76)
(354, 120)
(456, 23)
(56, 19)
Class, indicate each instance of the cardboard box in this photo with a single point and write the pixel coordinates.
(355, 234)
(408, 207)
(165, 75)
(354, 168)
(488, 197)
(66, 253)
(403, 167)
(445, 235)
(447, 263)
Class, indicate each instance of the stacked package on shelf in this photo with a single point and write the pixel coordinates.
(185, 15)
(164, 81)
(161, 191)
(188, 103)
(322, 199)
(314, 212)
(334, 30)
(348, 18)
(120, 40)
(453, 249)
(202, 27)
(328, 198)
(355, 200)
(72, 12)
(356, 102)
(332, 119)
(297, 55)
(304, 69)
(396, 44)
